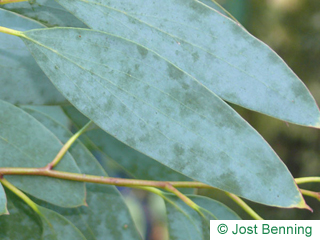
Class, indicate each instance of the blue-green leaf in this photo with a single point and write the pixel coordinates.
(137, 164)
(48, 12)
(153, 106)
(3, 201)
(21, 79)
(106, 213)
(186, 223)
(56, 227)
(209, 46)
(216, 6)
(24, 142)
(54, 112)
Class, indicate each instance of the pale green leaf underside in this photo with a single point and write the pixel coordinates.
(21, 79)
(214, 5)
(48, 12)
(137, 164)
(209, 46)
(55, 113)
(3, 201)
(106, 213)
(151, 105)
(186, 223)
(24, 142)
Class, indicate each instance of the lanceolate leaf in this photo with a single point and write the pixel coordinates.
(24, 142)
(48, 12)
(3, 201)
(151, 105)
(106, 213)
(186, 223)
(21, 79)
(209, 46)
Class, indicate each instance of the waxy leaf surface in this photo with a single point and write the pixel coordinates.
(47, 12)
(133, 162)
(209, 46)
(24, 142)
(21, 79)
(151, 105)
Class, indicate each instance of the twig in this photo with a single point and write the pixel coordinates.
(2, 2)
(315, 195)
(307, 180)
(20, 194)
(244, 206)
(66, 146)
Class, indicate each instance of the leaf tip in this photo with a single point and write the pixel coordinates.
(5, 213)
(303, 205)
(318, 124)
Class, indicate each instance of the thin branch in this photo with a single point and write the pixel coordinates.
(100, 179)
(307, 180)
(315, 195)
(244, 206)
(180, 195)
(183, 197)
(169, 186)
(10, 31)
(2, 2)
(66, 146)
(20, 194)
(91, 178)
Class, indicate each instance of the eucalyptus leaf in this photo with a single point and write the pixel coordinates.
(216, 6)
(209, 46)
(56, 227)
(137, 164)
(3, 201)
(55, 113)
(151, 105)
(218, 209)
(48, 12)
(186, 223)
(106, 213)
(21, 79)
(24, 142)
